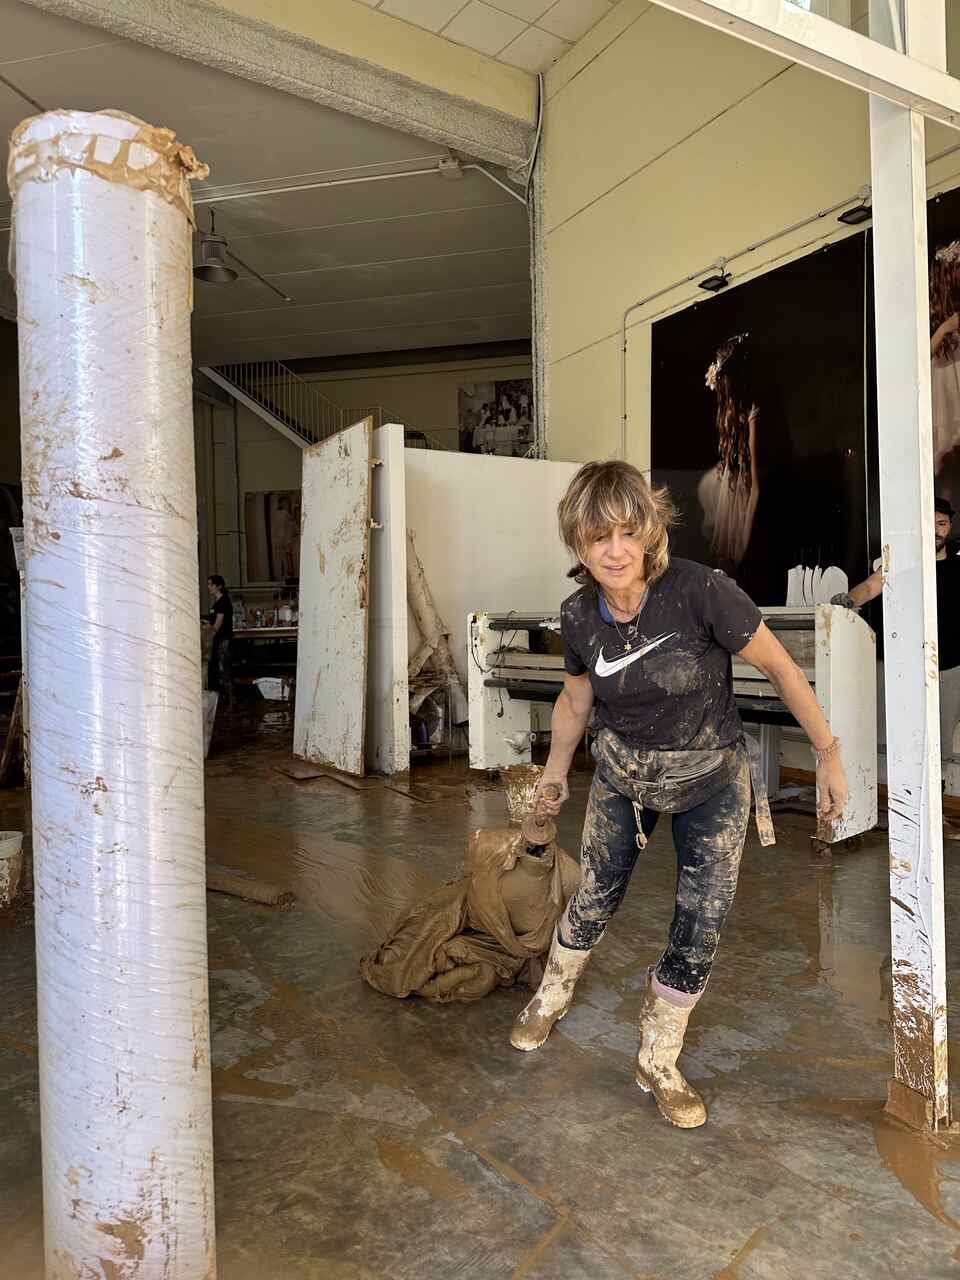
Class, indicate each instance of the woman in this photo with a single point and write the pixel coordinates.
(729, 491)
(945, 362)
(649, 638)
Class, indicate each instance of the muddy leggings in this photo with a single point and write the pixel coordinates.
(709, 841)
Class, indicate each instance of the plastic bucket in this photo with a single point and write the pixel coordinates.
(11, 865)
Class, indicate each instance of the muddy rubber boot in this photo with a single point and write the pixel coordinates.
(662, 1028)
(554, 996)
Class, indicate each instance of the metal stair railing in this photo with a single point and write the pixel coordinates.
(297, 409)
(286, 396)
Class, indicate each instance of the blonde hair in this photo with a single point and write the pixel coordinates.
(604, 494)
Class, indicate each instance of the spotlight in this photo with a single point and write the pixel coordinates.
(718, 279)
(212, 265)
(858, 213)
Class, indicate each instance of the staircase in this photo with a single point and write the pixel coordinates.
(294, 407)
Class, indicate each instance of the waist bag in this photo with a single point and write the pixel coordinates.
(667, 781)
(674, 781)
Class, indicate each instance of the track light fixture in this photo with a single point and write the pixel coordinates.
(858, 213)
(718, 278)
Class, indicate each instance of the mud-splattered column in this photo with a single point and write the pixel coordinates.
(918, 1093)
(103, 268)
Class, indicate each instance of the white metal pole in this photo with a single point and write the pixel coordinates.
(103, 264)
(919, 1091)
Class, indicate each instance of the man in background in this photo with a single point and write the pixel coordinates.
(221, 624)
(948, 632)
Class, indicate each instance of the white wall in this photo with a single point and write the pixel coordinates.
(486, 533)
(422, 397)
(235, 456)
(668, 145)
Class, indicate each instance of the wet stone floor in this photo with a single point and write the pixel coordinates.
(360, 1137)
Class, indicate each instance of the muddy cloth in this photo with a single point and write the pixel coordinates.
(664, 680)
(487, 930)
(708, 838)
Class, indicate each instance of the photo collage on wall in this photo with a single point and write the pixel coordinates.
(496, 417)
(763, 413)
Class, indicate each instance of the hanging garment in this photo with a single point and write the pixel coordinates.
(489, 929)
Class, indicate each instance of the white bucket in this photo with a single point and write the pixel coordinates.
(11, 865)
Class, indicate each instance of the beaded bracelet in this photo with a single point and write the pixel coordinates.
(828, 752)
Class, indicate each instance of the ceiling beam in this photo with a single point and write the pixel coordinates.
(344, 56)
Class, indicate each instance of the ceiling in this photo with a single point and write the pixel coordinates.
(410, 262)
(531, 34)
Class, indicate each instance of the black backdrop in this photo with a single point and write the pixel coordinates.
(805, 326)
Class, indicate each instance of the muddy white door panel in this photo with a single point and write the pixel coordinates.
(329, 717)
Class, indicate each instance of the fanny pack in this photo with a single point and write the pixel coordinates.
(674, 781)
(667, 781)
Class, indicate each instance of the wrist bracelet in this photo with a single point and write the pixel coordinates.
(828, 752)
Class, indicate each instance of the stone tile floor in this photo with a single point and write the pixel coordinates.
(360, 1137)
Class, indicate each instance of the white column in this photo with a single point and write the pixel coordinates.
(919, 1091)
(103, 266)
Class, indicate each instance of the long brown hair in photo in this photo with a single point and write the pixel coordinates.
(945, 293)
(726, 377)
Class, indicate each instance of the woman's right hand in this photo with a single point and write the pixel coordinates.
(552, 791)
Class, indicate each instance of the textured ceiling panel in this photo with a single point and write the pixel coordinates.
(443, 333)
(531, 34)
(242, 130)
(373, 266)
(363, 202)
(376, 280)
(353, 244)
(371, 313)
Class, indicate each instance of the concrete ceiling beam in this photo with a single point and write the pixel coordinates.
(341, 55)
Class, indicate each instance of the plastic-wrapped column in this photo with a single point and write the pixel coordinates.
(103, 268)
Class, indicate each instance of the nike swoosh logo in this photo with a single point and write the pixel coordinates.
(604, 668)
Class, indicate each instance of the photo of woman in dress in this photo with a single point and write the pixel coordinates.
(730, 490)
(945, 366)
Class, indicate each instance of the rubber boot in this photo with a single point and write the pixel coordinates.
(662, 1028)
(554, 996)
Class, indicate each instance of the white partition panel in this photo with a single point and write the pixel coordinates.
(486, 531)
(330, 710)
(846, 685)
(388, 715)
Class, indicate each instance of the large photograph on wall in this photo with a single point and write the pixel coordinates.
(943, 236)
(273, 535)
(759, 422)
(496, 417)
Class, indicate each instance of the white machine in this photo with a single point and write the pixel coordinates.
(515, 663)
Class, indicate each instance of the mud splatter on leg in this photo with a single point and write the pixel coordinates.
(709, 841)
(608, 854)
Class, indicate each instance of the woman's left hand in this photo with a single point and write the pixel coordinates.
(832, 789)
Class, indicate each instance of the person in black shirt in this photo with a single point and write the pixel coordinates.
(648, 641)
(221, 622)
(948, 631)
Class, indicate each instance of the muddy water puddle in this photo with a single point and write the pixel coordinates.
(920, 1162)
(342, 882)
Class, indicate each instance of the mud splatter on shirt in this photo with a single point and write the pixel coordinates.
(667, 684)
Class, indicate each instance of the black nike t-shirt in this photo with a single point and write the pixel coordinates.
(669, 685)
